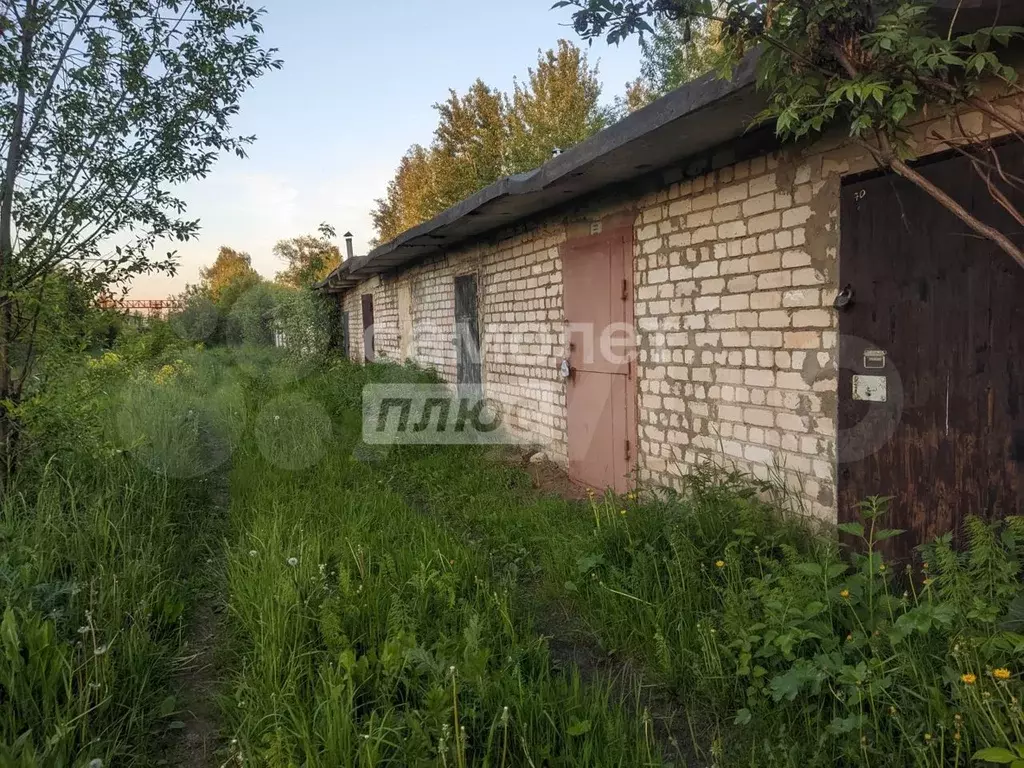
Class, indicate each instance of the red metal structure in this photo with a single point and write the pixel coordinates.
(142, 307)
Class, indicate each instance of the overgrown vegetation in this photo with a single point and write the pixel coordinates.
(425, 605)
(864, 68)
(485, 134)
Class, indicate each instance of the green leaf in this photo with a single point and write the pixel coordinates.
(743, 717)
(854, 529)
(995, 755)
(809, 569)
(579, 728)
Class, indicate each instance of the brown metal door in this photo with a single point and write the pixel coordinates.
(600, 398)
(369, 351)
(937, 315)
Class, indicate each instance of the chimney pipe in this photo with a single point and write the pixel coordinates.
(348, 246)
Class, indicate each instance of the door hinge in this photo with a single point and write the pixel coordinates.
(628, 451)
(625, 290)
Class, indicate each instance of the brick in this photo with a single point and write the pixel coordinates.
(743, 284)
(770, 280)
(794, 217)
(808, 277)
(725, 213)
(766, 339)
(732, 229)
(803, 340)
(765, 261)
(764, 223)
(706, 269)
(766, 300)
(732, 194)
(680, 207)
(760, 204)
(705, 234)
(774, 319)
(812, 318)
(753, 377)
(791, 259)
(656, 276)
(761, 418)
(735, 339)
(705, 201)
(733, 303)
(807, 297)
(763, 184)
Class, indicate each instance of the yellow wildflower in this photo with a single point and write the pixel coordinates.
(622, 512)
(969, 679)
(1001, 674)
(720, 564)
(845, 594)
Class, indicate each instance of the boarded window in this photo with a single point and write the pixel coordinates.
(368, 348)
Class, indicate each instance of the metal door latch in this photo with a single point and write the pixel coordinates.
(845, 298)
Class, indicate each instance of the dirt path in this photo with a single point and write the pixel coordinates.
(195, 740)
(195, 744)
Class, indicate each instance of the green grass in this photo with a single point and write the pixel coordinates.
(413, 606)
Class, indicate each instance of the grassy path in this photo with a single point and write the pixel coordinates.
(214, 571)
(196, 741)
(371, 633)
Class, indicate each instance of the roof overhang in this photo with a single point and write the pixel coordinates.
(690, 120)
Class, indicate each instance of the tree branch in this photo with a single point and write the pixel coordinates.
(991, 233)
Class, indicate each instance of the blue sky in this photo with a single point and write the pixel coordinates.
(356, 91)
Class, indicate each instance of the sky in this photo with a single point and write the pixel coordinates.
(356, 90)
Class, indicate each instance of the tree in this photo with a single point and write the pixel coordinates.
(410, 197)
(484, 134)
(104, 105)
(674, 54)
(310, 258)
(228, 277)
(863, 65)
(470, 143)
(556, 108)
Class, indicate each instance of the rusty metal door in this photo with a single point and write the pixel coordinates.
(468, 371)
(369, 351)
(931, 399)
(600, 397)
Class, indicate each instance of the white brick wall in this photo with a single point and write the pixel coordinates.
(735, 275)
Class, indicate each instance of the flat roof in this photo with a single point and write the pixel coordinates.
(688, 121)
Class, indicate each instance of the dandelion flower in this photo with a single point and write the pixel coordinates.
(622, 512)
(1001, 674)
(927, 737)
(101, 650)
(969, 679)
(845, 594)
(720, 564)
(881, 568)
(293, 561)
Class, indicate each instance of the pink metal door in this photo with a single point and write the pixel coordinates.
(600, 399)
